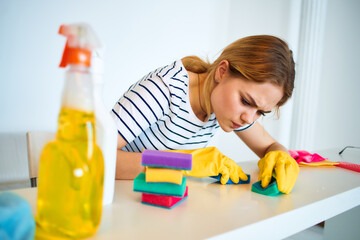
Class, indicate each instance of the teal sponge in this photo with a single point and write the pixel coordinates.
(270, 190)
(170, 189)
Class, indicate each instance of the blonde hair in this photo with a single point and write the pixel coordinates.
(261, 58)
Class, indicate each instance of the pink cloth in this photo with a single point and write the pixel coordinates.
(304, 156)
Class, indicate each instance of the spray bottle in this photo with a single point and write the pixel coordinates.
(106, 133)
(71, 171)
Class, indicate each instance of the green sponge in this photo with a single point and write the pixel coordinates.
(170, 189)
(270, 190)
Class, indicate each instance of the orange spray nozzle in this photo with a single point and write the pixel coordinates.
(81, 40)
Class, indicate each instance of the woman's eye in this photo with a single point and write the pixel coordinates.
(261, 113)
(245, 102)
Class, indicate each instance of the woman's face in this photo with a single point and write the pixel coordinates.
(237, 102)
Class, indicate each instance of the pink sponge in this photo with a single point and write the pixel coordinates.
(162, 200)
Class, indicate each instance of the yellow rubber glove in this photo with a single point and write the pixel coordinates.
(281, 165)
(210, 161)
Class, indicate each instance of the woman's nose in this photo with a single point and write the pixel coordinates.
(248, 116)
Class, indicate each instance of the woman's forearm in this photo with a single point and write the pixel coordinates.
(128, 165)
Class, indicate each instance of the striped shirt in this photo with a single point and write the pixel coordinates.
(155, 113)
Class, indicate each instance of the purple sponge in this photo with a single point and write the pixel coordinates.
(163, 159)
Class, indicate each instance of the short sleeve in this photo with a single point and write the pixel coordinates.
(243, 128)
(142, 105)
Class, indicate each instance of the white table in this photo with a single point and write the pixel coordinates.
(232, 211)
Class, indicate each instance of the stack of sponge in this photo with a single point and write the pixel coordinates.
(163, 183)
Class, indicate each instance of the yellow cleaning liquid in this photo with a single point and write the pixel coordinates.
(71, 174)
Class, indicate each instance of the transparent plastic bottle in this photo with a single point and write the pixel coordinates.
(106, 134)
(71, 171)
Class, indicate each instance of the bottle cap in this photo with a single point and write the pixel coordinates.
(81, 41)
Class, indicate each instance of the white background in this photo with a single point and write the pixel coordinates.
(139, 36)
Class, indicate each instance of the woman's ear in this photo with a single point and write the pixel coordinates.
(221, 70)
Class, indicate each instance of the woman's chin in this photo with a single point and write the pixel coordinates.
(226, 128)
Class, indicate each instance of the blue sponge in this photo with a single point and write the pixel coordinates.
(218, 177)
(16, 220)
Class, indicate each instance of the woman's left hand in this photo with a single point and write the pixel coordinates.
(283, 165)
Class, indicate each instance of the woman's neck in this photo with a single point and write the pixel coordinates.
(197, 101)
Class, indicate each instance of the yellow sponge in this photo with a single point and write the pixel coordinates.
(163, 175)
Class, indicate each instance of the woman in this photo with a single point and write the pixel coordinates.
(180, 106)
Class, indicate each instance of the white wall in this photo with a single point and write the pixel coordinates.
(138, 36)
(338, 118)
(142, 35)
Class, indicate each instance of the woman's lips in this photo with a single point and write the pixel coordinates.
(235, 125)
